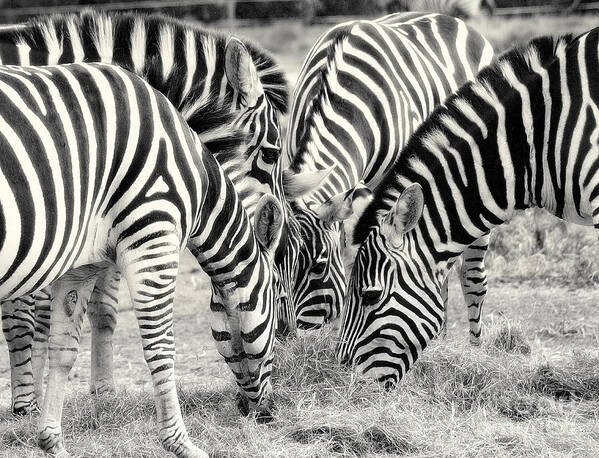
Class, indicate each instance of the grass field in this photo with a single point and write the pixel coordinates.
(531, 389)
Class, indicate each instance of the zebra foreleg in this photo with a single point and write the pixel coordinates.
(473, 276)
(18, 328)
(70, 295)
(152, 287)
(102, 314)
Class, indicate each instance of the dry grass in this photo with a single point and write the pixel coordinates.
(504, 398)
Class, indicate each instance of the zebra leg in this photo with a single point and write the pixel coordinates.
(473, 276)
(152, 288)
(43, 304)
(70, 295)
(18, 328)
(102, 313)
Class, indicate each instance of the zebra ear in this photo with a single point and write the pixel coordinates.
(268, 223)
(345, 204)
(404, 215)
(297, 185)
(241, 71)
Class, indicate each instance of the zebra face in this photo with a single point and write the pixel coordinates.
(321, 275)
(259, 120)
(259, 94)
(393, 304)
(386, 321)
(244, 314)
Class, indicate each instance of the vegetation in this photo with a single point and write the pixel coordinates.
(530, 389)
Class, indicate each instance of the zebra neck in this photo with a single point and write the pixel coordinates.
(223, 240)
(476, 165)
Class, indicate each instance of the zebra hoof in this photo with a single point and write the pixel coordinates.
(264, 416)
(185, 450)
(243, 404)
(474, 340)
(50, 441)
(22, 410)
(101, 388)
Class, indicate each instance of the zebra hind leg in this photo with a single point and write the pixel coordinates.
(473, 276)
(39, 354)
(152, 288)
(102, 314)
(18, 328)
(70, 295)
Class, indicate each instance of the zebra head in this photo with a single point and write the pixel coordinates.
(314, 250)
(393, 305)
(260, 94)
(320, 275)
(244, 311)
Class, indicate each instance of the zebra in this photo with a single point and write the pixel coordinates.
(230, 93)
(523, 134)
(363, 89)
(100, 170)
(461, 8)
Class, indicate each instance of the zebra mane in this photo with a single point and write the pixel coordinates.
(160, 41)
(323, 92)
(540, 52)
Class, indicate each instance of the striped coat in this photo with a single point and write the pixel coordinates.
(363, 89)
(229, 92)
(99, 171)
(523, 134)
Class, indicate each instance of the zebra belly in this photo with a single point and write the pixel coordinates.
(34, 255)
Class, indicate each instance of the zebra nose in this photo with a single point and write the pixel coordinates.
(389, 385)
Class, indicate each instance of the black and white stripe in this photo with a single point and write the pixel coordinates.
(524, 134)
(229, 92)
(100, 172)
(363, 89)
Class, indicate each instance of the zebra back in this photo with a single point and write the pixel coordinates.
(461, 8)
(185, 62)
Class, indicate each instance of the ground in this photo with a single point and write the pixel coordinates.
(531, 389)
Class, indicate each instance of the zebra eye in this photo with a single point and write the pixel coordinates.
(270, 155)
(371, 296)
(318, 268)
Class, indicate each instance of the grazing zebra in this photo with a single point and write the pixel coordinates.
(524, 134)
(462, 8)
(230, 94)
(363, 89)
(98, 170)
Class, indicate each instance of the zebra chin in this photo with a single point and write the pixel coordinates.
(377, 359)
